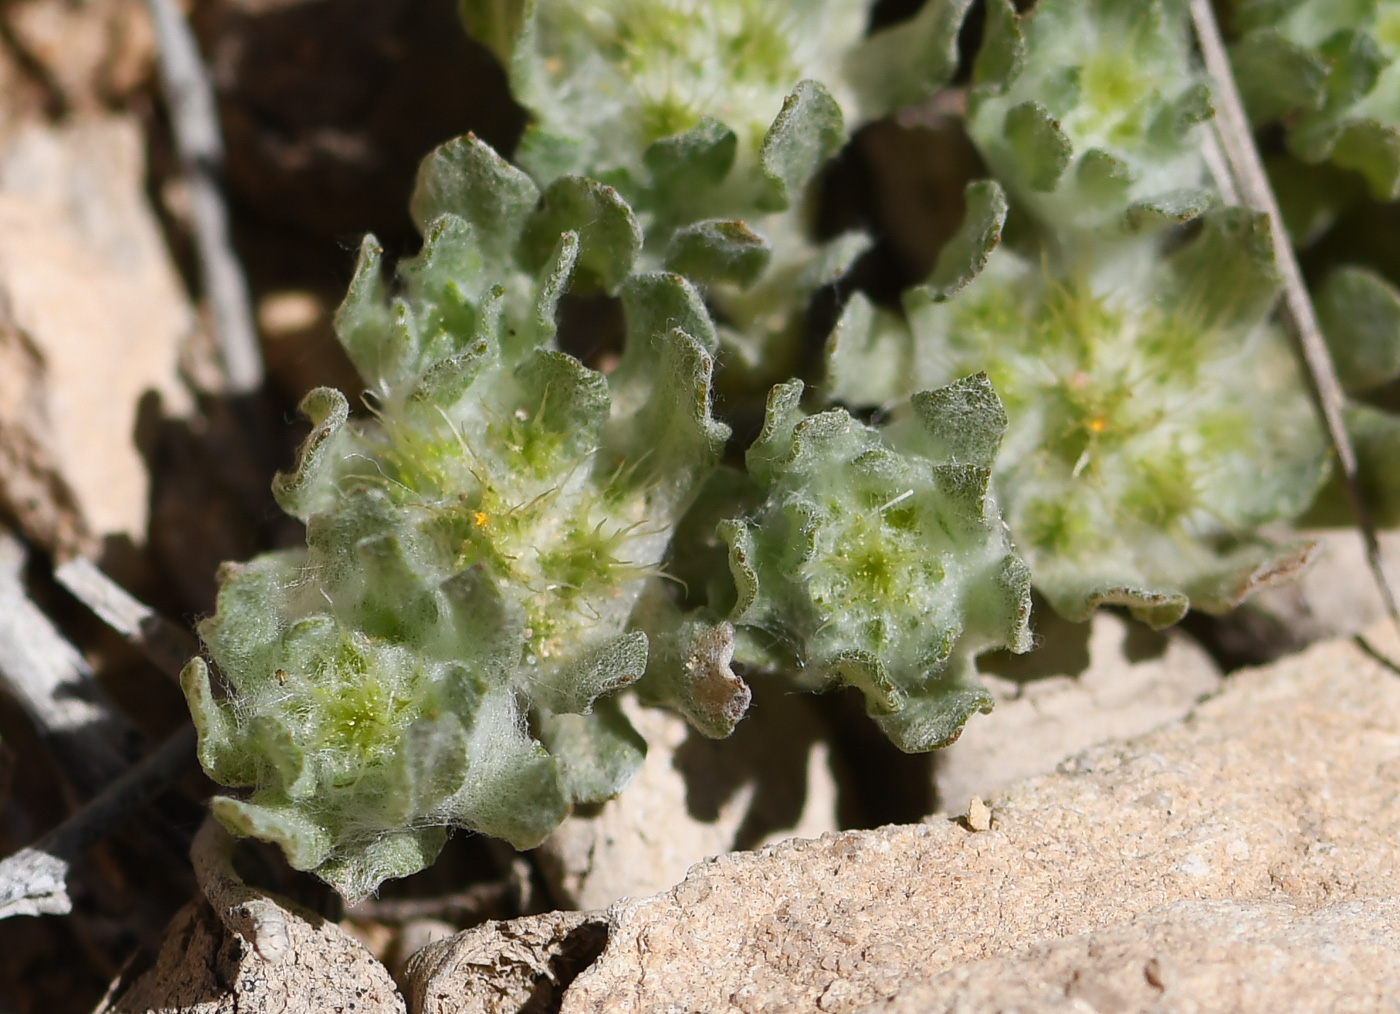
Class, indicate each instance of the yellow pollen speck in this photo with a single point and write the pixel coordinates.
(1097, 424)
(480, 518)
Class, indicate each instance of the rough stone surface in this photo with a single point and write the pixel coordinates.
(1187, 956)
(1128, 681)
(91, 318)
(502, 967)
(695, 798)
(202, 968)
(1280, 796)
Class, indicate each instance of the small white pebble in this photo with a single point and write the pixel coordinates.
(979, 815)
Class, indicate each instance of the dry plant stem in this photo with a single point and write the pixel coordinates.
(32, 881)
(54, 684)
(167, 646)
(244, 911)
(190, 98)
(1219, 167)
(1235, 137)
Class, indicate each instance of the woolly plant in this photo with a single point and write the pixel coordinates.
(508, 539)
(1330, 72)
(877, 559)
(445, 650)
(1086, 112)
(700, 110)
(1156, 420)
(710, 117)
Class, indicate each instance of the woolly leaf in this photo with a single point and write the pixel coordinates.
(901, 64)
(1360, 316)
(609, 236)
(672, 441)
(1375, 438)
(302, 840)
(965, 255)
(466, 177)
(1171, 207)
(963, 421)
(301, 493)
(1003, 54)
(868, 354)
(1373, 150)
(497, 24)
(1227, 275)
(593, 673)
(598, 753)
(363, 318)
(655, 303)
(395, 854)
(718, 251)
(1040, 146)
(699, 157)
(1277, 77)
(806, 133)
(934, 717)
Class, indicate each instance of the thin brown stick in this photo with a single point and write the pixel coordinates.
(1237, 140)
(194, 120)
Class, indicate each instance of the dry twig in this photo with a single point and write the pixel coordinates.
(57, 689)
(33, 880)
(54, 684)
(165, 644)
(190, 98)
(1252, 184)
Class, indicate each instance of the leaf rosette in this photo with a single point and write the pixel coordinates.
(1087, 112)
(1156, 420)
(446, 649)
(878, 559)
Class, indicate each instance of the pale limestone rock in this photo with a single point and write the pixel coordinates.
(1280, 797)
(203, 968)
(240, 950)
(695, 798)
(95, 53)
(505, 967)
(1038, 723)
(91, 318)
(1188, 956)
